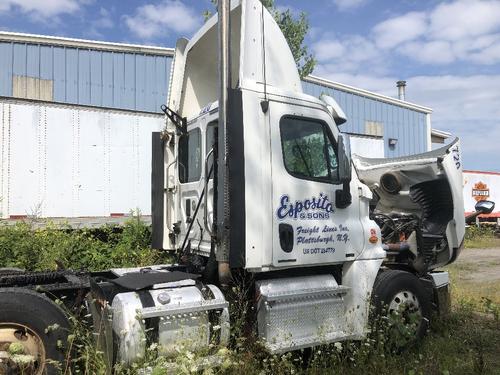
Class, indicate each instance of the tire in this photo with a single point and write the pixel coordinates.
(402, 299)
(42, 318)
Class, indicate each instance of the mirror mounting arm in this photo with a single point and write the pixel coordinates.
(179, 122)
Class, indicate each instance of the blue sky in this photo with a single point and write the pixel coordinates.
(447, 51)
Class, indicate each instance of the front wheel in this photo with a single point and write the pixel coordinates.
(402, 307)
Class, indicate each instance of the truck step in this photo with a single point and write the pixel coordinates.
(299, 312)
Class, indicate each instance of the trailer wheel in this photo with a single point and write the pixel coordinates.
(33, 333)
(400, 297)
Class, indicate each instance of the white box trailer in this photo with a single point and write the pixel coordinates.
(70, 161)
(480, 185)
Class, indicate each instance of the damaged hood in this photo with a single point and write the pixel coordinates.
(428, 185)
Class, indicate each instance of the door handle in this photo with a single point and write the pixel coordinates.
(286, 237)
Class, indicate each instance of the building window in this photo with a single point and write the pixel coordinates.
(190, 156)
(32, 88)
(308, 150)
(374, 128)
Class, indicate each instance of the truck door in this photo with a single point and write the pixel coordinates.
(307, 227)
(195, 163)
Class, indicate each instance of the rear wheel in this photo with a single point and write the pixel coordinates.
(33, 333)
(400, 297)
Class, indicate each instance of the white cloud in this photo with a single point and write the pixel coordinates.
(347, 54)
(458, 98)
(488, 56)
(464, 18)
(153, 20)
(466, 107)
(381, 84)
(327, 49)
(397, 30)
(462, 30)
(433, 52)
(345, 5)
(41, 9)
(103, 21)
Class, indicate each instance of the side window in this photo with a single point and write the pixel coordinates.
(190, 156)
(210, 143)
(308, 151)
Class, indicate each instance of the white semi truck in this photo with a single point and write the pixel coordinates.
(253, 181)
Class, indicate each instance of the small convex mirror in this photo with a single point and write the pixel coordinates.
(485, 207)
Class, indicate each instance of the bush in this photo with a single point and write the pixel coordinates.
(474, 232)
(51, 247)
(481, 237)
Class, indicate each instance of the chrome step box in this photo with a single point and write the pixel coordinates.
(299, 312)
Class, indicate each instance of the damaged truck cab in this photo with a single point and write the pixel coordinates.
(253, 182)
(300, 216)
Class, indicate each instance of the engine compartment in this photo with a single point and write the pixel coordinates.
(416, 239)
(417, 203)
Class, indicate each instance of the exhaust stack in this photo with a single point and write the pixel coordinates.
(222, 185)
(401, 85)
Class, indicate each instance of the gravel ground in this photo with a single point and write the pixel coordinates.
(484, 264)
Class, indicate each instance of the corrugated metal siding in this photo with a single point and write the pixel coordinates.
(407, 126)
(89, 77)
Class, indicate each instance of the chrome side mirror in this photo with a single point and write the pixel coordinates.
(481, 207)
(485, 207)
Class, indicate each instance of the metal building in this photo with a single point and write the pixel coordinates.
(77, 116)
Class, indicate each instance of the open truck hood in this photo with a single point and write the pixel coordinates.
(427, 185)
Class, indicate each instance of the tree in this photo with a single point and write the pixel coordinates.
(294, 29)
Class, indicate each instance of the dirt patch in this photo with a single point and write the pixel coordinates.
(479, 265)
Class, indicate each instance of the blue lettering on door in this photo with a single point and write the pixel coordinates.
(311, 208)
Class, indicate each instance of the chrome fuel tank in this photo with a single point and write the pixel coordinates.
(174, 318)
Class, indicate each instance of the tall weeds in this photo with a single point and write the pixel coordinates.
(24, 246)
